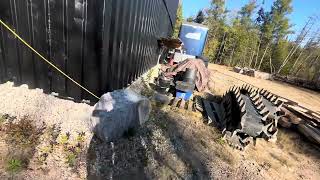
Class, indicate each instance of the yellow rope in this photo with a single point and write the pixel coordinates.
(47, 61)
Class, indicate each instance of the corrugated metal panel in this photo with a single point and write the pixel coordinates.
(103, 44)
(172, 7)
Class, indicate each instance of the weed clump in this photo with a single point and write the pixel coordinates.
(14, 165)
(2, 119)
(50, 136)
(21, 137)
(72, 149)
(221, 141)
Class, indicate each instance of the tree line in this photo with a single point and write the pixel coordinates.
(260, 38)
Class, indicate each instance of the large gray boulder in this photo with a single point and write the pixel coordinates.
(117, 112)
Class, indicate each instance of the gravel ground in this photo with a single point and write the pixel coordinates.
(173, 144)
(68, 116)
(21, 101)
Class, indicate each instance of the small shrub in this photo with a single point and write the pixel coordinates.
(47, 149)
(63, 140)
(71, 159)
(81, 137)
(14, 165)
(42, 158)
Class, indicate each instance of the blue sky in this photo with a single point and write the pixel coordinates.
(302, 9)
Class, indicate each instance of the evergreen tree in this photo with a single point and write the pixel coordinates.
(190, 19)
(199, 18)
(216, 22)
(275, 29)
(179, 21)
(262, 42)
(245, 35)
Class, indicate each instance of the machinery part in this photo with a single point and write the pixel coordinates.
(233, 109)
(190, 76)
(213, 111)
(164, 82)
(290, 114)
(247, 115)
(199, 104)
(185, 86)
(237, 140)
(232, 119)
(271, 113)
(274, 99)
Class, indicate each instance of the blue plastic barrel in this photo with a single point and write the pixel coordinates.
(194, 38)
(184, 95)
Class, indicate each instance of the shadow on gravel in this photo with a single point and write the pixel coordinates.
(142, 155)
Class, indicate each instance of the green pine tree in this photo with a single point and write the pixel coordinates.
(179, 21)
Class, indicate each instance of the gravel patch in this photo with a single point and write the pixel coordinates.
(21, 101)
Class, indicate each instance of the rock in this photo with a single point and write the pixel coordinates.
(117, 112)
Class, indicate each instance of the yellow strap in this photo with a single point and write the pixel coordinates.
(47, 61)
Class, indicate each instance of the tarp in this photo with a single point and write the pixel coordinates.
(203, 73)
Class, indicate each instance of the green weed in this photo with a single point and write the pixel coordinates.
(71, 159)
(221, 141)
(72, 150)
(14, 165)
(2, 119)
(81, 137)
(63, 140)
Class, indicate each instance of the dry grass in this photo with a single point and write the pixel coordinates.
(223, 78)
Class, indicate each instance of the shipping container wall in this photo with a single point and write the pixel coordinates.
(102, 44)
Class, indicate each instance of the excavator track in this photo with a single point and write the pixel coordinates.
(246, 113)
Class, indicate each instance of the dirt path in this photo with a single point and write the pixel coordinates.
(223, 78)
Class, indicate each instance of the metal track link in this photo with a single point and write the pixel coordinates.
(269, 106)
(244, 114)
(256, 116)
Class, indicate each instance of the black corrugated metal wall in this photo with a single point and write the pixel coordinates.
(103, 44)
